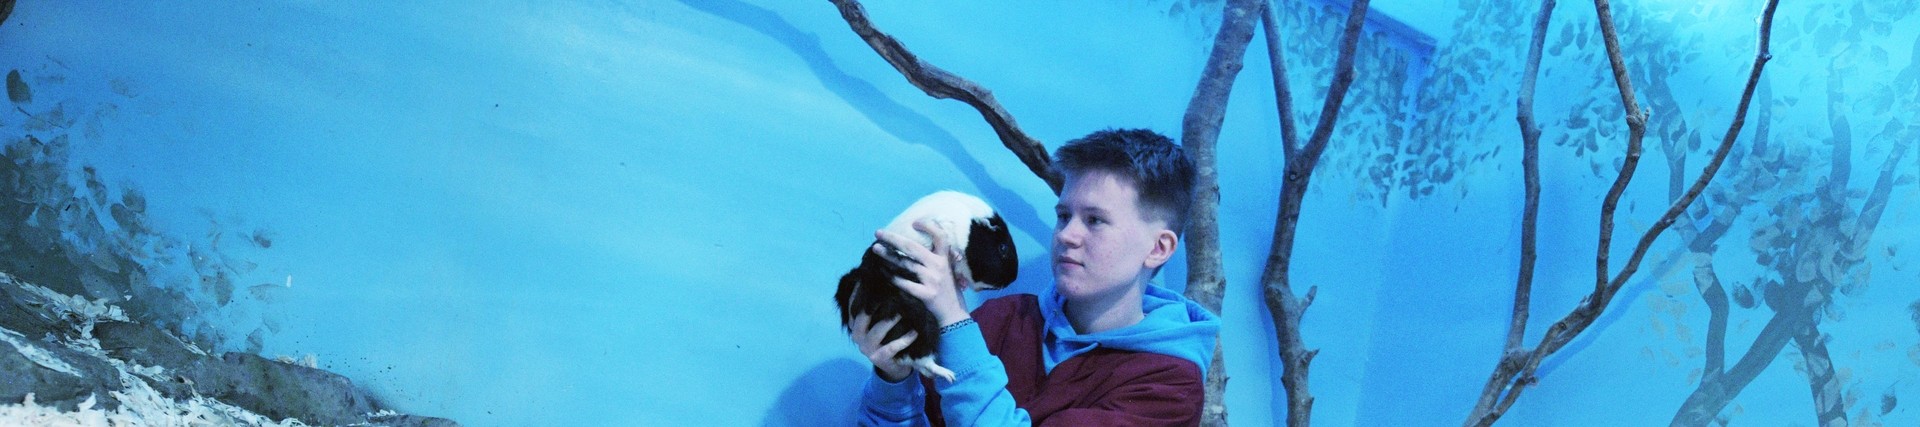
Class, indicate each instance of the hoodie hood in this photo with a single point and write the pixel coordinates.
(1173, 326)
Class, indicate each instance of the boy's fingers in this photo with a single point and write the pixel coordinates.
(911, 287)
(879, 331)
(897, 258)
(939, 243)
(859, 325)
(912, 250)
(900, 344)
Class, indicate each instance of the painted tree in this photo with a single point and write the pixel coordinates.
(1812, 233)
(1769, 177)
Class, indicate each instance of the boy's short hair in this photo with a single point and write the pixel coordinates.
(1160, 170)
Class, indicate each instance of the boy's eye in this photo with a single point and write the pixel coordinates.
(1094, 220)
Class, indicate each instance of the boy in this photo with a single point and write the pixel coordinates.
(1103, 347)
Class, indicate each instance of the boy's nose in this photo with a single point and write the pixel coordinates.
(1068, 236)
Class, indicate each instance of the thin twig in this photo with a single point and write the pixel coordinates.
(939, 83)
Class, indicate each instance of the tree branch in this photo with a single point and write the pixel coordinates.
(1703, 242)
(1636, 129)
(1285, 308)
(1719, 156)
(1563, 331)
(1512, 353)
(1530, 163)
(1788, 323)
(1337, 90)
(1829, 406)
(1842, 131)
(1591, 308)
(1715, 391)
(939, 83)
(1200, 132)
(1282, 92)
(1715, 297)
(1882, 191)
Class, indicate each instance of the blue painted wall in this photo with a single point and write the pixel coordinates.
(519, 213)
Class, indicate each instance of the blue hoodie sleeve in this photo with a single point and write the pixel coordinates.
(885, 403)
(978, 394)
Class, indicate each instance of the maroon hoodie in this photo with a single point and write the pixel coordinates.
(1103, 387)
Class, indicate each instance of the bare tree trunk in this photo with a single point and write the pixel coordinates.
(1516, 370)
(939, 83)
(1199, 133)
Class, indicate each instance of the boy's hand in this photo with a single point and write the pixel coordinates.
(937, 287)
(884, 355)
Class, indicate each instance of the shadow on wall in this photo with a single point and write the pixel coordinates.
(897, 120)
(826, 395)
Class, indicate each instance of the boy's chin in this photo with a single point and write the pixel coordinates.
(1065, 275)
(1072, 288)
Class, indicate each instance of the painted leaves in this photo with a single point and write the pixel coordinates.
(17, 89)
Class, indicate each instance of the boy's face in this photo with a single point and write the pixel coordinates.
(1103, 244)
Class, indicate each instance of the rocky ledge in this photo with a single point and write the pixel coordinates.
(69, 361)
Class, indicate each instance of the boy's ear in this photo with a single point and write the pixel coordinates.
(1164, 243)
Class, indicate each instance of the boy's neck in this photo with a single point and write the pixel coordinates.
(1104, 314)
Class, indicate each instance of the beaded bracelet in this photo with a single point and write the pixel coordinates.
(956, 325)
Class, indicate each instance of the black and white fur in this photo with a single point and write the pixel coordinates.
(971, 229)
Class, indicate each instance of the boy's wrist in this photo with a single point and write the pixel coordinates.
(951, 315)
(892, 378)
(956, 326)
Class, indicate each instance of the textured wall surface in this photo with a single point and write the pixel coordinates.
(519, 213)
